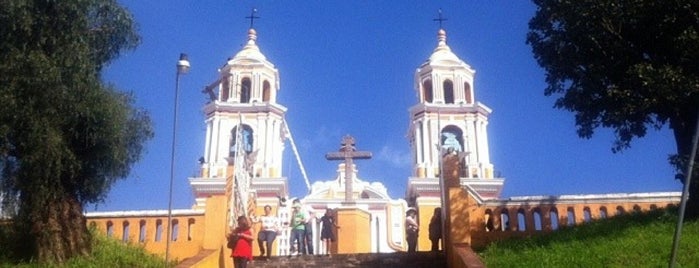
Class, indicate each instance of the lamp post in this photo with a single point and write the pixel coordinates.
(182, 68)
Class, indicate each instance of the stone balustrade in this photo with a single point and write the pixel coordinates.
(522, 216)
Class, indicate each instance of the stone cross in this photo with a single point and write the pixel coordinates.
(348, 153)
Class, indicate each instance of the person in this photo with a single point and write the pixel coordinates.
(326, 232)
(308, 228)
(435, 228)
(411, 229)
(241, 235)
(297, 225)
(268, 231)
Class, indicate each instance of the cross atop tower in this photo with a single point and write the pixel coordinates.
(440, 19)
(252, 16)
(348, 152)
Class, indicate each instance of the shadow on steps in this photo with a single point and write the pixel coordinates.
(397, 259)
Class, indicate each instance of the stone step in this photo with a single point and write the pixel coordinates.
(398, 259)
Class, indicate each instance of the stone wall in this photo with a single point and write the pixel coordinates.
(477, 222)
(149, 229)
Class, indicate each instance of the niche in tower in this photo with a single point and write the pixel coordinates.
(452, 138)
(266, 91)
(245, 90)
(448, 88)
(467, 93)
(246, 139)
(427, 90)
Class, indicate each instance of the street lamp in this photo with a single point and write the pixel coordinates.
(182, 68)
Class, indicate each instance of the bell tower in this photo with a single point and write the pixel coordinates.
(245, 129)
(448, 119)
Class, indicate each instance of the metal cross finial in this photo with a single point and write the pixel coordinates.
(440, 19)
(252, 16)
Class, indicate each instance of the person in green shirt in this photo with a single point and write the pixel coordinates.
(298, 221)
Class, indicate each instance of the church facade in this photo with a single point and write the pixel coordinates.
(241, 172)
(245, 128)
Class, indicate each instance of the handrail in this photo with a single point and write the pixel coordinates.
(287, 133)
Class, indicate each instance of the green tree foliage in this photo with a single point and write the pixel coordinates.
(65, 136)
(628, 65)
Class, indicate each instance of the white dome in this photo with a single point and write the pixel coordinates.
(442, 53)
(250, 51)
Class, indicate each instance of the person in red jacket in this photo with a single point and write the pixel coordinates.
(242, 249)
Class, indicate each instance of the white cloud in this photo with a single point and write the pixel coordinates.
(395, 157)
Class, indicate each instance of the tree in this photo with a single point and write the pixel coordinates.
(65, 136)
(628, 65)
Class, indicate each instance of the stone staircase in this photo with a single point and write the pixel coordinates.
(397, 259)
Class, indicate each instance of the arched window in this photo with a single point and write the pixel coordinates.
(489, 221)
(158, 230)
(110, 229)
(246, 136)
(603, 212)
(175, 229)
(619, 210)
(467, 93)
(266, 91)
(225, 88)
(245, 90)
(537, 219)
(587, 214)
(571, 217)
(125, 232)
(521, 220)
(505, 220)
(553, 215)
(452, 137)
(448, 87)
(427, 90)
(636, 208)
(190, 226)
(142, 231)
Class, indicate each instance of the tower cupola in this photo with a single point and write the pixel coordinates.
(248, 77)
(443, 77)
(447, 118)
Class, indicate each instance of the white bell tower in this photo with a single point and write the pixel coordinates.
(243, 114)
(448, 119)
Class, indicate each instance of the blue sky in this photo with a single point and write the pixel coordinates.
(347, 67)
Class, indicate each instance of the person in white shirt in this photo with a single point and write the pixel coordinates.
(308, 231)
(411, 229)
(268, 232)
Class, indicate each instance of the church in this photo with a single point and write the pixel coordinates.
(245, 128)
(241, 172)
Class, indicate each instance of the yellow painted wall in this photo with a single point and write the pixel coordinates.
(216, 222)
(424, 217)
(190, 230)
(355, 231)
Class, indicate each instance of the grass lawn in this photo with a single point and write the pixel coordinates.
(632, 240)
